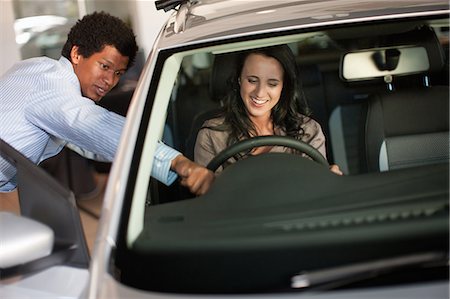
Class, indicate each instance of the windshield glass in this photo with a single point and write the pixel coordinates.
(277, 211)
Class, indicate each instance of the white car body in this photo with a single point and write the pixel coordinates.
(205, 26)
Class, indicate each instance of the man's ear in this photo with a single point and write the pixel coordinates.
(74, 56)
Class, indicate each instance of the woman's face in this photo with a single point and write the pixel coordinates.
(261, 82)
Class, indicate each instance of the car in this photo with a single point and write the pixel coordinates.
(376, 77)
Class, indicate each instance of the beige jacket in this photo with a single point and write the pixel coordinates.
(210, 142)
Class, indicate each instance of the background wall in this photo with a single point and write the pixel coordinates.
(9, 51)
(140, 14)
(147, 23)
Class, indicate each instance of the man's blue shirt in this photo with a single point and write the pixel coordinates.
(42, 110)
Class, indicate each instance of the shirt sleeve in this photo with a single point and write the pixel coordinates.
(162, 162)
(85, 153)
(78, 121)
(9, 186)
(97, 131)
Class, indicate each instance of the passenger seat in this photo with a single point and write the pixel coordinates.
(407, 123)
(407, 128)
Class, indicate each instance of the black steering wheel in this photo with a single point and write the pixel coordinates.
(250, 143)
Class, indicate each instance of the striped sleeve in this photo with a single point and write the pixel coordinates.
(162, 162)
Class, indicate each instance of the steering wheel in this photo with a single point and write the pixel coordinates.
(250, 143)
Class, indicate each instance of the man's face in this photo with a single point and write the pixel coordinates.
(100, 72)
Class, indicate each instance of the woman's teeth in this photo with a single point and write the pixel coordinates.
(259, 102)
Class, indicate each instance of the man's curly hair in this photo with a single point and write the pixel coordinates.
(97, 30)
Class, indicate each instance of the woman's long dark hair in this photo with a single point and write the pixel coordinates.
(288, 113)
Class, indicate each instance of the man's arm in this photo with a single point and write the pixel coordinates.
(168, 163)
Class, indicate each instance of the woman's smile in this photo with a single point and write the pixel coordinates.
(259, 102)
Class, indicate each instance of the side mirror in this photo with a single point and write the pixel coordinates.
(45, 202)
(23, 240)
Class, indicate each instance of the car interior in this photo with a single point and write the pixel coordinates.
(374, 116)
(406, 123)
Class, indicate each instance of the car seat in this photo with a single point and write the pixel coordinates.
(221, 73)
(407, 124)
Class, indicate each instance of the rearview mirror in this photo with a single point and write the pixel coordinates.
(364, 65)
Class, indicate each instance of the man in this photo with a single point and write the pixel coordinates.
(47, 104)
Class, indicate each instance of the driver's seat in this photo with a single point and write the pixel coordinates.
(222, 71)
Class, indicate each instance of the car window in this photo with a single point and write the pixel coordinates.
(262, 213)
(184, 94)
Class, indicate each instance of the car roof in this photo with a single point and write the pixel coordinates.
(213, 20)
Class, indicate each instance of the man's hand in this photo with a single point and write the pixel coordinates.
(193, 176)
(335, 168)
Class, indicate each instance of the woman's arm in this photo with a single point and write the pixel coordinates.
(315, 137)
(204, 150)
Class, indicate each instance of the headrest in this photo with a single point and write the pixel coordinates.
(222, 72)
(309, 75)
(414, 52)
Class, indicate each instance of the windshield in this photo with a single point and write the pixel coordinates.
(276, 218)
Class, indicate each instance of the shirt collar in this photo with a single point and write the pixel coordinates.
(67, 66)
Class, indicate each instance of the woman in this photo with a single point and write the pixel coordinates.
(264, 99)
